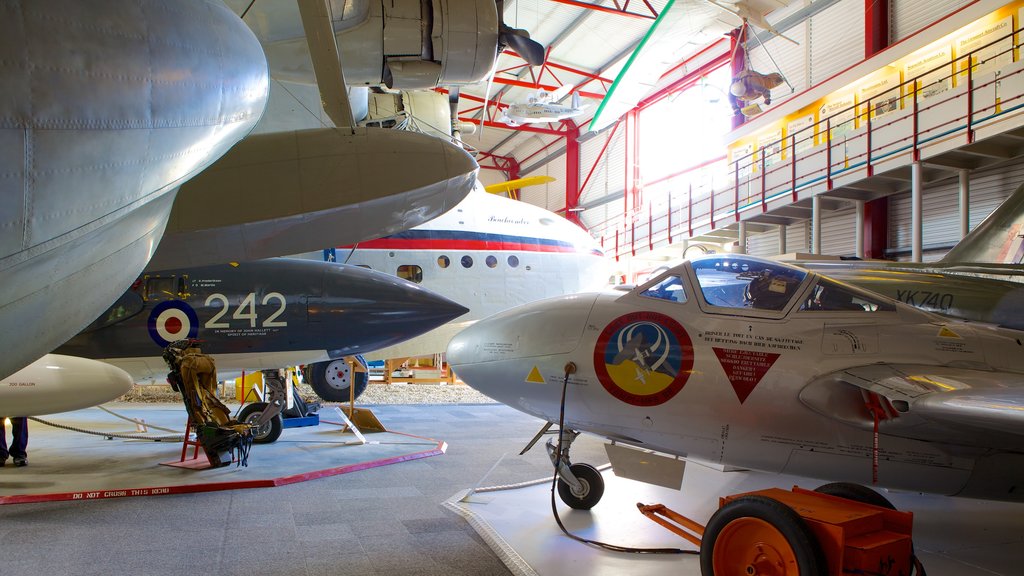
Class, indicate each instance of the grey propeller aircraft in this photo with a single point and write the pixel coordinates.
(742, 362)
(264, 314)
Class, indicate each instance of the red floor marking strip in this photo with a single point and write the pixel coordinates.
(439, 449)
(285, 480)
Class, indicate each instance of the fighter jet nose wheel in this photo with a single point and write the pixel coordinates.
(591, 487)
(332, 380)
(269, 431)
(755, 535)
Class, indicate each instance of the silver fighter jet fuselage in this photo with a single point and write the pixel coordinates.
(741, 362)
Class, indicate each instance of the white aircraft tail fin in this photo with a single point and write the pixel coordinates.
(998, 239)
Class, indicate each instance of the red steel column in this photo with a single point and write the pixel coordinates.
(876, 212)
(572, 172)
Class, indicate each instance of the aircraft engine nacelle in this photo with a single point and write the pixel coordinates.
(58, 383)
(414, 45)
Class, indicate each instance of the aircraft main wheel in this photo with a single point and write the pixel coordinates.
(270, 431)
(593, 487)
(856, 492)
(332, 380)
(762, 536)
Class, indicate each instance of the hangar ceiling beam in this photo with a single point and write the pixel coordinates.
(621, 11)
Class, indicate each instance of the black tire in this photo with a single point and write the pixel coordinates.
(856, 492)
(267, 433)
(809, 559)
(331, 380)
(593, 487)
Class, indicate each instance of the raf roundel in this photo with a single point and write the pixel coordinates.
(171, 321)
(643, 358)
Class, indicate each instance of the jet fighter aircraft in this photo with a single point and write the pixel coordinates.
(259, 315)
(747, 363)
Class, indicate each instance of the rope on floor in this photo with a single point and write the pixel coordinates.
(174, 438)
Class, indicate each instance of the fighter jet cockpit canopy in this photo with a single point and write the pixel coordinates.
(739, 284)
(745, 282)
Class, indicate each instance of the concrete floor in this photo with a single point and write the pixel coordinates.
(386, 520)
(396, 519)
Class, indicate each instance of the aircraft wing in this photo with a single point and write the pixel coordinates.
(291, 192)
(939, 403)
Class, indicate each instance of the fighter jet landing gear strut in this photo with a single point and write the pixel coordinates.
(580, 485)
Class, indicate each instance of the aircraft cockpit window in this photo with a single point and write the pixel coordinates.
(164, 288)
(410, 272)
(731, 282)
(827, 296)
(128, 305)
(443, 261)
(670, 289)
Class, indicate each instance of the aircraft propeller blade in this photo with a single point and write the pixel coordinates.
(520, 41)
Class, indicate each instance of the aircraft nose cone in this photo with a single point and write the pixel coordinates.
(368, 310)
(492, 354)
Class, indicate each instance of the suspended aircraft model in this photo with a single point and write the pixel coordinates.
(742, 362)
(92, 153)
(543, 106)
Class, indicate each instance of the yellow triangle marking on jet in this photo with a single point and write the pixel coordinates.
(945, 332)
(534, 376)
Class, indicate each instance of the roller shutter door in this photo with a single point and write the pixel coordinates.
(941, 212)
(838, 232)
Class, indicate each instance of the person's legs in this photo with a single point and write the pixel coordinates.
(19, 443)
(3, 442)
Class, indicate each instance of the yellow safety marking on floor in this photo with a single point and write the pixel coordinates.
(534, 376)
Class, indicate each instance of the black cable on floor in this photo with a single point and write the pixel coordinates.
(570, 368)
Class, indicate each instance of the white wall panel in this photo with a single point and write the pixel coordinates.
(836, 39)
(909, 16)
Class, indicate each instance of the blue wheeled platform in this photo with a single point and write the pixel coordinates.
(300, 422)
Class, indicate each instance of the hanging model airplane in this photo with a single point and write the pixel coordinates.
(99, 131)
(543, 106)
(259, 315)
(742, 362)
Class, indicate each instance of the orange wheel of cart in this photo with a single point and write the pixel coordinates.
(759, 536)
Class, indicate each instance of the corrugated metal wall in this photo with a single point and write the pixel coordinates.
(552, 194)
(940, 207)
(909, 16)
(838, 231)
(608, 177)
(836, 39)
